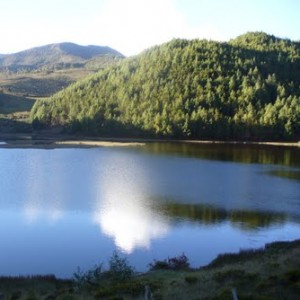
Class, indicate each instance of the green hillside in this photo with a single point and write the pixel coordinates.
(248, 88)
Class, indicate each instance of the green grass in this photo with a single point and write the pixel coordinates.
(267, 274)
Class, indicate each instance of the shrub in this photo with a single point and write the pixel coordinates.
(292, 276)
(119, 268)
(174, 263)
(119, 271)
(90, 277)
(190, 279)
(16, 295)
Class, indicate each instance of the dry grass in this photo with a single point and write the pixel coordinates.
(42, 83)
(10, 104)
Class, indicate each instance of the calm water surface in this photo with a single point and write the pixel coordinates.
(64, 208)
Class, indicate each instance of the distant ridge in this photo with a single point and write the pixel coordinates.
(52, 56)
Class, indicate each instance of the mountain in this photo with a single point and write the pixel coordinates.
(43, 71)
(247, 88)
(55, 56)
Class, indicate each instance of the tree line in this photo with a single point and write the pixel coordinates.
(247, 88)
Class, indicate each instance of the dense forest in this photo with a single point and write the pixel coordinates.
(247, 88)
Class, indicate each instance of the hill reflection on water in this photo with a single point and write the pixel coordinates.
(139, 195)
(242, 153)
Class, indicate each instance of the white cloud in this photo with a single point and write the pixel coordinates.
(133, 25)
(128, 26)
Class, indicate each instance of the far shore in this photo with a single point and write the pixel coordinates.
(65, 141)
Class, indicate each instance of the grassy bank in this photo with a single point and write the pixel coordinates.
(269, 273)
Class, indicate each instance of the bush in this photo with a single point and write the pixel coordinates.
(119, 268)
(119, 271)
(174, 263)
(90, 277)
(190, 279)
(292, 276)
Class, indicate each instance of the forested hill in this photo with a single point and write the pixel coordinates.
(248, 88)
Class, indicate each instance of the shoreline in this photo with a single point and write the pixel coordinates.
(264, 271)
(65, 141)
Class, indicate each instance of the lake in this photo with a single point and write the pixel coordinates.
(64, 208)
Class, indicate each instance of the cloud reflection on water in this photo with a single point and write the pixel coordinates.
(123, 210)
(136, 199)
(33, 213)
(44, 193)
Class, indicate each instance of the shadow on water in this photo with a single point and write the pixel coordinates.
(288, 174)
(249, 154)
(209, 215)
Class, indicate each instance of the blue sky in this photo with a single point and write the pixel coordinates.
(130, 26)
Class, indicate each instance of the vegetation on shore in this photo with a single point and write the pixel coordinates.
(269, 273)
(248, 88)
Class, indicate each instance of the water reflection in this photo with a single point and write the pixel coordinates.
(153, 197)
(123, 210)
(209, 215)
(228, 152)
(33, 213)
(288, 174)
(44, 193)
